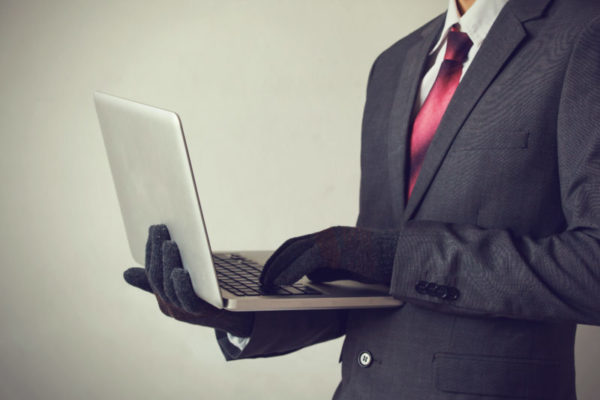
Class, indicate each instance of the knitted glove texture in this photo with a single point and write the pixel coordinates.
(336, 253)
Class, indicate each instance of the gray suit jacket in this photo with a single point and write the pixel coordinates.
(506, 210)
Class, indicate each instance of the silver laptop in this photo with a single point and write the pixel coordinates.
(155, 184)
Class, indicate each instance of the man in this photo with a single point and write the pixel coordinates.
(479, 206)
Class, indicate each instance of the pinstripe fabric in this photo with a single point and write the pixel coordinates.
(506, 209)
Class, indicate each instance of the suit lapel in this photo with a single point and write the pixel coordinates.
(402, 107)
(504, 37)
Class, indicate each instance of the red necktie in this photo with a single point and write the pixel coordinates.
(430, 115)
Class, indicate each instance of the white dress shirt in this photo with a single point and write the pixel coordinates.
(476, 23)
(239, 342)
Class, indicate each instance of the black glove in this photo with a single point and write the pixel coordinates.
(336, 253)
(165, 277)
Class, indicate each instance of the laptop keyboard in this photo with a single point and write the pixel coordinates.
(240, 276)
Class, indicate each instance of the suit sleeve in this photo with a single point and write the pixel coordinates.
(499, 273)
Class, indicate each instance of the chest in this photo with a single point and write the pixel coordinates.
(499, 168)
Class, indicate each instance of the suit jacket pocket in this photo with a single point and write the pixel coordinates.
(492, 140)
(496, 376)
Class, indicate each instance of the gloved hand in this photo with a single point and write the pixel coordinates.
(165, 277)
(336, 253)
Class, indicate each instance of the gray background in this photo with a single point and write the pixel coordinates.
(271, 95)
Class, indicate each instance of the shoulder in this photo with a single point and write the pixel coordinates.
(392, 58)
(574, 10)
(573, 16)
(556, 27)
(577, 20)
(425, 32)
(418, 35)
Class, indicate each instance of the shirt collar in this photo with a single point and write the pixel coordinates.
(476, 22)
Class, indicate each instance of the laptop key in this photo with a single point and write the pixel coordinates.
(240, 277)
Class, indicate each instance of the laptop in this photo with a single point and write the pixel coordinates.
(155, 184)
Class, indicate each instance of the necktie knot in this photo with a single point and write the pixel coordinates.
(458, 45)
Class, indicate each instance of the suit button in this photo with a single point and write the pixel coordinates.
(441, 292)
(421, 287)
(431, 288)
(453, 294)
(365, 359)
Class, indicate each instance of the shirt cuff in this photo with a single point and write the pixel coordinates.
(239, 342)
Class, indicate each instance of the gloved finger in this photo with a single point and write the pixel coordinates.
(186, 296)
(137, 277)
(171, 259)
(305, 263)
(149, 246)
(158, 234)
(290, 242)
(287, 244)
(282, 258)
(152, 233)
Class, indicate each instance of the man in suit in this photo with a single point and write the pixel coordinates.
(479, 206)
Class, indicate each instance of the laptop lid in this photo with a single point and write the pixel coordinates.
(146, 146)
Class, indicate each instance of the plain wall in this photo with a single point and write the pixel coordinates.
(271, 95)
